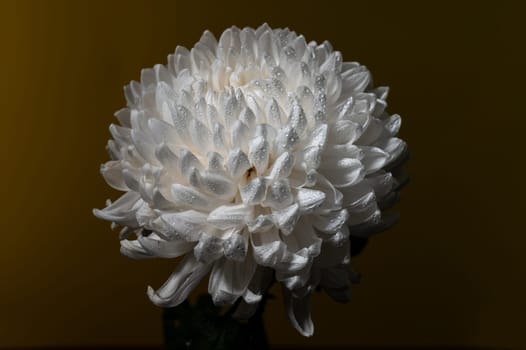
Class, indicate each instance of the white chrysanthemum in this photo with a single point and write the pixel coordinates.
(255, 157)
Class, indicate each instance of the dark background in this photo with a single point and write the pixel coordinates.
(450, 273)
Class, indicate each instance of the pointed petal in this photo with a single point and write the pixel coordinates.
(237, 163)
(236, 246)
(258, 154)
(254, 192)
(282, 166)
(286, 218)
(279, 195)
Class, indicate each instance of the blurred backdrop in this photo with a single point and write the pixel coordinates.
(450, 273)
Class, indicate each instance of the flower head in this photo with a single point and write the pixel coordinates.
(255, 157)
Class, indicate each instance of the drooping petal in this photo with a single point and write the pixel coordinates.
(156, 246)
(122, 211)
(229, 280)
(183, 280)
(134, 250)
(298, 311)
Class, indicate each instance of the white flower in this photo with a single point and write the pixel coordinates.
(255, 158)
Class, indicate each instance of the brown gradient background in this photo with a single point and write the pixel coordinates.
(452, 272)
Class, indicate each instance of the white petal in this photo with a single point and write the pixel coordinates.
(208, 39)
(229, 216)
(254, 192)
(393, 124)
(369, 212)
(258, 154)
(181, 118)
(183, 280)
(358, 196)
(297, 119)
(187, 197)
(268, 247)
(374, 159)
(121, 135)
(309, 200)
(286, 219)
(248, 118)
(298, 311)
(296, 281)
(274, 113)
(230, 39)
(279, 195)
(355, 81)
(331, 222)
(333, 198)
(382, 183)
(187, 224)
(261, 223)
(332, 153)
(239, 136)
(216, 162)
(161, 130)
(122, 211)
(143, 145)
(345, 172)
(123, 115)
(311, 157)
(371, 133)
(237, 163)
(266, 131)
(286, 139)
(168, 158)
(201, 135)
(187, 162)
(219, 137)
(304, 237)
(131, 177)
(282, 166)
(158, 247)
(209, 248)
(344, 131)
(394, 146)
(318, 136)
(230, 279)
(235, 246)
(112, 173)
(218, 185)
(134, 250)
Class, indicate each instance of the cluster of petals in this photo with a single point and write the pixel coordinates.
(255, 158)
